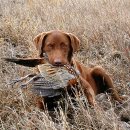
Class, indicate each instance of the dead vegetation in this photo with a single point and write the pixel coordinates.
(103, 26)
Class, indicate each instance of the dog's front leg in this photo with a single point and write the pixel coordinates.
(88, 91)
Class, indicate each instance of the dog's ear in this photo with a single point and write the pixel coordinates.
(75, 42)
(38, 42)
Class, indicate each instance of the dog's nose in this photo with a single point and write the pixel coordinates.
(57, 62)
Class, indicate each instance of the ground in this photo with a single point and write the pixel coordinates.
(103, 27)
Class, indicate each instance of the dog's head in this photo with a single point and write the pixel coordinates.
(57, 45)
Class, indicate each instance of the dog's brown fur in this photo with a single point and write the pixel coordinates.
(59, 47)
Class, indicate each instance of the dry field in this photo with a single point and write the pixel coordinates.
(103, 26)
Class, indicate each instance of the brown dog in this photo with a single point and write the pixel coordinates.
(59, 47)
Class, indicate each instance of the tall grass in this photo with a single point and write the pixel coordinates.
(103, 27)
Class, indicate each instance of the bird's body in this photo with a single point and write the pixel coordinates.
(51, 80)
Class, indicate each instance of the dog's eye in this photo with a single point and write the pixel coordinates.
(63, 45)
(50, 45)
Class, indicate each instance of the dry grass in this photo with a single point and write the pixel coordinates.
(103, 26)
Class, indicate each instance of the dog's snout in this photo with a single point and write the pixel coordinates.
(57, 62)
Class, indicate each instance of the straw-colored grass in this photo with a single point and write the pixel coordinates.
(103, 27)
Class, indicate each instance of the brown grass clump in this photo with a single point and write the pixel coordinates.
(103, 26)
